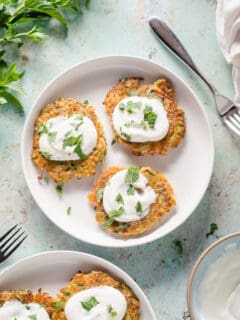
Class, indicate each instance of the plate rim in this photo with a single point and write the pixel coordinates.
(105, 263)
(200, 105)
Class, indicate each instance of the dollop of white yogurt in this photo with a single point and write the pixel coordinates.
(67, 138)
(134, 200)
(104, 302)
(140, 119)
(12, 310)
(219, 296)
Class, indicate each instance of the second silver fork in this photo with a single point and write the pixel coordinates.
(225, 107)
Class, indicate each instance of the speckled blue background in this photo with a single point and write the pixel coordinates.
(120, 27)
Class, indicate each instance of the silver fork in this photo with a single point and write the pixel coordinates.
(10, 241)
(225, 107)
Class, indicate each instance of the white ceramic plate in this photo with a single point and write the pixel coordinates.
(52, 270)
(188, 167)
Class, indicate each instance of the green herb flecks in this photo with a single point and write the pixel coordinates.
(46, 154)
(59, 189)
(132, 92)
(149, 116)
(33, 317)
(131, 190)
(52, 136)
(132, 175)
(27, 307)
(89, 304)
(112, 216)
(85, 102)
(58, 305)
(125, 135)
(139, 207)
(149, 94)
(79, 152)
(99, 194)
(43, 128)
(76, 141)
(130, 107)
(111, 311)
(213, 229)
(113, 141)
(69, 210)
(177, 245)
(119, 198)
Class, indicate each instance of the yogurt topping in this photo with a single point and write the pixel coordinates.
(104, 302)
(127, 197)
(220, 289)
(67, 138)
(15, 310)
(140, 119)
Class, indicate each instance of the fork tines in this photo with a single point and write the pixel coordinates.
(10, 241)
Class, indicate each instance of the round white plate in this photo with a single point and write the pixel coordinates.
(188, 167)
(52, 270)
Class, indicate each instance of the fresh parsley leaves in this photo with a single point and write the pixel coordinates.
(46, 154)
(132, 92)
(119, 198)
(89, 304)
(149, 116)
(132, 175)
(139, 207)
(213, 229)
(99, 194)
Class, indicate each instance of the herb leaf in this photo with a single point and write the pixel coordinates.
(43, 128)
(132, 175)
(177, 245)
(119, 198)
(149, 116)
(116, 213)
(59, 189)
(213, 229)
(69, 210)
(46, 154)
(99, 194)
(52, 136)
(139, 207)
(89, 304)
(132, 93)
(131, 191)
(32, 317)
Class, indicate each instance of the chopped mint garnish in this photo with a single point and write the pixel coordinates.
(149, 93)
(69, 210)
(149, 116)
(107, 224)
(113, 142)
(119, 198)
(132, 175)
(70, 141)
(46, 154)
(177, 245)
(58, 305)
(85, 102)
(27, 307)
(59, 189)
(132, 93)
(33, 317)
(139, 207)
(131, 191)
(43, 128)
(89, 304)
(79, 152)
(121, 106)
(46, 179)
(52, 136)
(111, 311)
(124, 134)
(99, 194)
(116, 213)
(213, 229)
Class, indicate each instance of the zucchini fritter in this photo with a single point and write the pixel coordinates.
(62, 171)
(83, 281)
(161, 89)
(164, 202)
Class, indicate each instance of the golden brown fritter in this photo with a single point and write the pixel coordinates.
(161, 89)
(164, 202)
(62, 171)
(83, 281)
(26, 296)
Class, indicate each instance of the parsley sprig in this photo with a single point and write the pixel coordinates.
(20, 20)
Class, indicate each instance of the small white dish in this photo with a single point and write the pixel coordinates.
(52, 270)
(188, 167)
(211, 258)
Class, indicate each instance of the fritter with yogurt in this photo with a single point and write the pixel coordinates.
(68, 140)
(145, 118)
(131, 201)
(89, 292)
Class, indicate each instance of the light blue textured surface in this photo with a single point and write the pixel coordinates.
(120, 27)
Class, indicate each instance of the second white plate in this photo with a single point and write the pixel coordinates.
(52, 270)
(188, 168)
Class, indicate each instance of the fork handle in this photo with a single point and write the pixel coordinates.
(171, 41)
